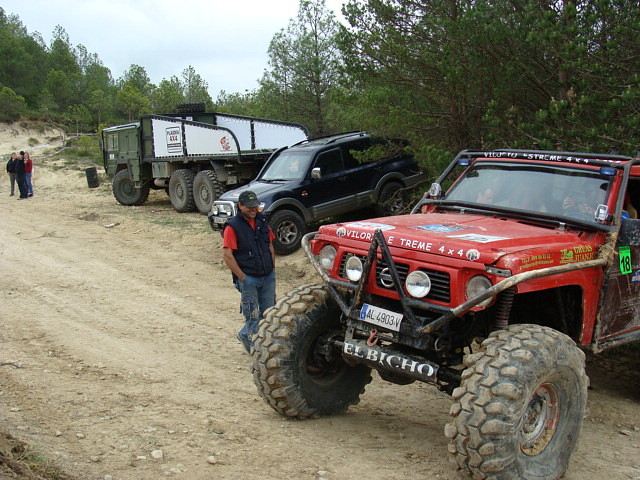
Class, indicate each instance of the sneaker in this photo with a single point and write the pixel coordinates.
(30, 195)
(246, 346)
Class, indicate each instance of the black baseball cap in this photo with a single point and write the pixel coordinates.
(248, 199)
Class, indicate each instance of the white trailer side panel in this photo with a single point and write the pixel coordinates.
(176, 138)
(208, 141)
(272, 136)
(240, 127)
(167, 138)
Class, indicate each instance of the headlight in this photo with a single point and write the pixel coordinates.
(327, 257)
(354, 268)
(418, 284)
(476, 286)
(261, 207)
(214, 210)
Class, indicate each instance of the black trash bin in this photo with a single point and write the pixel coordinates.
(92, 177)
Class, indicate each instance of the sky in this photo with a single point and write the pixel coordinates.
(226, 42)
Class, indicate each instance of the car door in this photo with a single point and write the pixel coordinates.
(619, 312)
(330, 194)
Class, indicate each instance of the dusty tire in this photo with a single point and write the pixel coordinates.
(519, 409)
(392, 200)
(181, 190)
(206, 190)
(125, 191)
(288, 228)
(288, 371)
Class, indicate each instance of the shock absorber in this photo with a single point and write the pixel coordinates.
(503, 309)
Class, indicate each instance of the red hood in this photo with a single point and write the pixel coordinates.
(473, 237)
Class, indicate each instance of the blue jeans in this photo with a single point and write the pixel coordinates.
(29, 185)
(256, 295)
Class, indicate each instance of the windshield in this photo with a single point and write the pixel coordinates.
(288, 165)
(533, 188)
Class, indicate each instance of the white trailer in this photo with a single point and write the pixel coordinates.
(195, 157)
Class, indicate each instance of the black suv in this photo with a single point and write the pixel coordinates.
(324, 177)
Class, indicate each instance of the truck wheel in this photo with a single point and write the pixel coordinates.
(181, 190)
(294, 368)
(392, 200)
(125, 191)
(206, 190)
(288, 228)
(519, 409)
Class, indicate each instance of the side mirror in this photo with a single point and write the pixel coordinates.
(316, 174)
(435, 191)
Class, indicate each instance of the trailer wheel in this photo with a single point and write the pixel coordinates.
(181, 190)
(125, 191)
(392, 200)
(288, 228)
(206, 190)
(296, 370)
(519, 408)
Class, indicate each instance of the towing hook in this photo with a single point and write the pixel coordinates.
(373, 339)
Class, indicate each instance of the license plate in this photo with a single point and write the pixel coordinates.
(381, 317)
(219, 219)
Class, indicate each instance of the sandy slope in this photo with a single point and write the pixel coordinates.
(122, 322)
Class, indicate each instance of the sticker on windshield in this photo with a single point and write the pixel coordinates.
(476, 237)
(440, 228)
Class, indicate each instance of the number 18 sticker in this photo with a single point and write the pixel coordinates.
(625, 260)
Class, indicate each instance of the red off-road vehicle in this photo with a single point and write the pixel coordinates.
(490, 291)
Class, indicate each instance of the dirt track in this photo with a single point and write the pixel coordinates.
(121, 321)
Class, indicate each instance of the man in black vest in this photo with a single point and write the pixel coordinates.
(21, 177)
(248, 252)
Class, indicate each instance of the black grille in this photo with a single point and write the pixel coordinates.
(440, 282)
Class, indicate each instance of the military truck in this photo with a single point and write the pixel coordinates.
(194, 156)
(510, 267)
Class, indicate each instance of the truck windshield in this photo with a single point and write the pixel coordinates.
(288, 165)
(555, 191)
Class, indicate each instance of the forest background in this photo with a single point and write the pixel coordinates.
(445, 74)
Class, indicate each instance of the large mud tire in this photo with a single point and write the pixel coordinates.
(288, 228)
(392, 200)
(519, 409)
(181, 190)
(125, 191)
(206, 190)
(289, 373)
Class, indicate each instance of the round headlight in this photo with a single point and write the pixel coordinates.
(476, 286)
(418, 284)
(353, 268)
(214, 210)
(327, 257)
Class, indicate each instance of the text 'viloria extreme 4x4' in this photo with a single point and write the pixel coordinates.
(512, 264)
(324, 177)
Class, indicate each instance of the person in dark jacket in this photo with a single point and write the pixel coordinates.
(21, 177)
(248, 252)
(11, 170)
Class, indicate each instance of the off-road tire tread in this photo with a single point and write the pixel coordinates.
(217, 190)
(188, 177)
(495, 379)
(142, 193)
(272, 351)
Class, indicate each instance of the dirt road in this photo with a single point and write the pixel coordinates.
(118, 326)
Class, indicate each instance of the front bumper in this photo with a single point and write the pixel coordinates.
(221, 212)
(422, 317)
